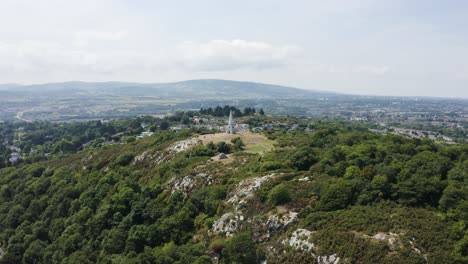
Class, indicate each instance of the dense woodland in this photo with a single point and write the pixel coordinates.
(117, 204)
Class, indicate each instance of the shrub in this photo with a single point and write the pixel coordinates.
(238, 143)
(270, 166)
(124, 159)
(303, 159)
(217, 245)
(336, 196)
(279, 195)
(239, 249)
(202, 151)
(222, 147)
(130, 139)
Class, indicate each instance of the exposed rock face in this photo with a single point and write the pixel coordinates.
(162, 157)
(391, 238)
(278, 222)
(86, 161)
(222, 156)
(395, 240)
(183, 145)
(244, 191)
(300, 240)
(157, 157)
(167, 154)
(141, 158)
(274, 223)
(227, 224)
(184, 185)
(305, 179)
(190, 182)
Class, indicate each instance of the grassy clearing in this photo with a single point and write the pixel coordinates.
(254, 143)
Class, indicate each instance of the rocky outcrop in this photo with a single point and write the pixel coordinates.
(190, 182)
(395, 241)
(244, 190)
(392, 239)
(167, 154)
(300, 239)
(274, 223)
(183, 145)
(157, 157)
(280, 221)
(229, 223)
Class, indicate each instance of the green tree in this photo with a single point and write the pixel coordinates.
(336, 196)
(164, 125)
(303, 158)
(238, 143)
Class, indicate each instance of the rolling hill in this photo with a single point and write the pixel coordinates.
(195, 89)
(336, 193)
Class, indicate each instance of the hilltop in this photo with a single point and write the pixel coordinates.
(300, 191)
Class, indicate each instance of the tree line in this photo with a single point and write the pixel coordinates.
(219, 111)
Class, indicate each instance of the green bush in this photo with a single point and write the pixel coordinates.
(202, 151)
(129, 139)
(238, 143)
(124, 159)
(271, 166)
(279, 195)
(303, 159)
(336, 196)
(239, 249)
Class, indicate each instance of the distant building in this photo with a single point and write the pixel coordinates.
(179, 127)
(145, 134)
(230, 128)
(257, 129)
(196, 119)
(242, 127)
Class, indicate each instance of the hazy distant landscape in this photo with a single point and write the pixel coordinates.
(65, 102)
(81, 100)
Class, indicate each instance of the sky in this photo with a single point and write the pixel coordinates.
(394, 47)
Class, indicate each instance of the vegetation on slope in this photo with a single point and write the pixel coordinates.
(140, 202)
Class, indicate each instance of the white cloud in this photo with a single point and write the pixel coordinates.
(360, 69)
(85, 38)
(82, 56)
(372, 69)
(219, 55)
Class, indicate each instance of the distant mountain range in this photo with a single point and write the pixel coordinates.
(195, 89)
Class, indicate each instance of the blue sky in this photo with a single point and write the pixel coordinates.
(362, 47)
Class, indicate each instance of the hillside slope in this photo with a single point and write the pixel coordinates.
(331, 193)
(195, 89)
